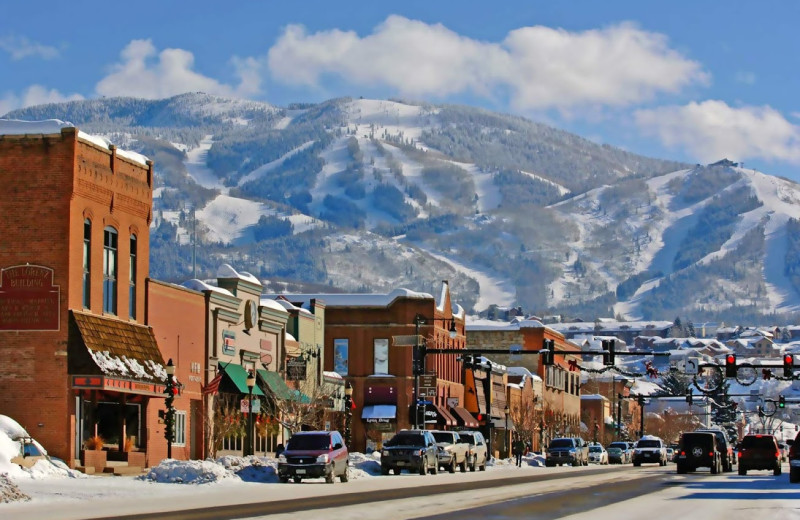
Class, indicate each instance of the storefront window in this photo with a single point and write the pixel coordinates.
(381, 356)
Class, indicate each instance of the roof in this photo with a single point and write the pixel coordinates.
(121, 348)
(355, 300)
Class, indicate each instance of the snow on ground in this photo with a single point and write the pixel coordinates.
(266, 168)
(226, 217)
(493, 288)
(198, 170)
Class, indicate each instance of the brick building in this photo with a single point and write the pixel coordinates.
(74, 252)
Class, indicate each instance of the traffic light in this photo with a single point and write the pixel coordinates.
(609, 346)
(730, 365)
(788, 365)
(781, 402)
(418, 365)
(547, 352)
(689, 398)
(640, 400)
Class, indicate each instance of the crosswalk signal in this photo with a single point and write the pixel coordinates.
(609, 348)
(781, 402)
(730, 365)
(547, 352)
(788, 365)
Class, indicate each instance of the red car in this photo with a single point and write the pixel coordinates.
(759, 452)
(314, 455)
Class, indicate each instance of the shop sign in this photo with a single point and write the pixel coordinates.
(228, 342)
(378, 420)
(244, 406)
(296, 369)
(28, 299)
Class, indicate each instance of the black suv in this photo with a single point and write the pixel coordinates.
(794, 459)
(698, 450)
(725, 447)
(414, 450)
(759, 452)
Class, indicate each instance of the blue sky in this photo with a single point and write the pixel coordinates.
(687, 80)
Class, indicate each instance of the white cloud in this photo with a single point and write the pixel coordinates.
(20, 47)
(711, 130)
(34, 95)
(144, 72)
(538, 67)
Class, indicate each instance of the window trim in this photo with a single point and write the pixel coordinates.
(110, 280)
(179, 428)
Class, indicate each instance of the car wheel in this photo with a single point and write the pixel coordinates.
(384, 471)
(330, 478)
(297, 480)
(577, 462)
(777, 470)
(742, 471)
(452, 468)
(464, 466)
(483, 466)
(423, 467)
(794, 475)
(681, 469)
(637, 464)
(283, 480)
(397, 471)
(715, 468)
(344, 477)
(435, 468)
(472, 467)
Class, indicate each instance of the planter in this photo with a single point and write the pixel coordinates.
(94, 459)
(133, 458)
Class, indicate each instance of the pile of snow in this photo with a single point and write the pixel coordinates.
(188, 472)
(9, 492)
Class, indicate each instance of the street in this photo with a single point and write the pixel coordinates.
(594, 492)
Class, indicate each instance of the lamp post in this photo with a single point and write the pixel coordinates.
(169, 416)
(251, 383)
(348, 412)
(508, 433)
(418, 358)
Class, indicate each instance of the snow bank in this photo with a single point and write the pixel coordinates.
(9, 492)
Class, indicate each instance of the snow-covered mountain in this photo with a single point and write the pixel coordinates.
(360, 194)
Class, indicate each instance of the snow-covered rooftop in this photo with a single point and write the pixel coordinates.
(199, 285)
(355, 300)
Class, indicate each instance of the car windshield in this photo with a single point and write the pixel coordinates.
(648, 444)
(406, 439)
(620, 445)
(595, 449)
(615, 450)
(561, 443)
(309, 442)
(757, 441)
(467, 437)
(443, 437)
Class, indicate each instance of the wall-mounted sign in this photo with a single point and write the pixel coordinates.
(28, 299)
(266, 346)
(296, 369)
(228, 342)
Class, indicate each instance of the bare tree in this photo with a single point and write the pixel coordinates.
(225, 420)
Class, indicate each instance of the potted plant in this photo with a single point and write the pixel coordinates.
(133, 456)
(93, 455)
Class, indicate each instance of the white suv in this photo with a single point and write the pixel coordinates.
(650, 449)
(477, 456)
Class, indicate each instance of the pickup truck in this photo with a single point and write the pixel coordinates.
(452, 451)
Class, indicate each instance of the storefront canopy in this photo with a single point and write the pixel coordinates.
(379, 411)
(238, 376)
(443, 416)
(280, 389)
(464, 417)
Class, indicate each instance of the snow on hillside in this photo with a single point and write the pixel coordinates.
(374, 116)
(198, 170)
(261, 171)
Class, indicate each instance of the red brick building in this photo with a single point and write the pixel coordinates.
(78, 358)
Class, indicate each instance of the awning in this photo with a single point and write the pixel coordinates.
(443, 416)
(238, 376)
(280, 389)
(379, 412)
(109, 354)
(464, 418)
(500, 424)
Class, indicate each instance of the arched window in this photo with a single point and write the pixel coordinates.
(87, 262)
(110, 270)
(132, 279)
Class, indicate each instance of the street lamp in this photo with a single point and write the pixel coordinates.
(508, 433)
(348, 412)
(169, 416)
(251, 383)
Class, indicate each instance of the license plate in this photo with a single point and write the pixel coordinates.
(301, 472)
(401, 463)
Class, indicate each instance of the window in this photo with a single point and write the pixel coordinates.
(87, 252)
(110, 270)
(340, 356)
(132, 279)
(180, 428)
(381, 356)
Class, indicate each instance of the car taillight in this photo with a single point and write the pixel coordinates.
(778, 454)
(683, 453)
(740, 454)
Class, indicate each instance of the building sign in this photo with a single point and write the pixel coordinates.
(296, 369)
(228, 342)
(28, 299)
(427, 385)
(244, 406)
(430, 416)
(266, 351)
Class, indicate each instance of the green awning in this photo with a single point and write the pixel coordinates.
(278, 386)
(238, 375)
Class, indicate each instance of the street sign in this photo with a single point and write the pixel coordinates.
(692, 365)
(244, 406)
(427, 385)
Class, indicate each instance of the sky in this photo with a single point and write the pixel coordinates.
(694, 81)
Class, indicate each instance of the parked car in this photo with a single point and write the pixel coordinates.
(478, 453)
(698, 450)
(725, 447)
(29, 452)
(314, 454)
(794, 459)
(413, 450)
(670, 454)
(567, 450)
(598, 454)
(759, 451)
(452, 450)
(650, 449)
(625, 454)
(784, 451)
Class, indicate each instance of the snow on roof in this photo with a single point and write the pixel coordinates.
(515, 324)
(593, 397)
(199, 285)
(289, 337)
(226, 271)
(644, 387)
(272, 304)
(356, 300)
(54, 126)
